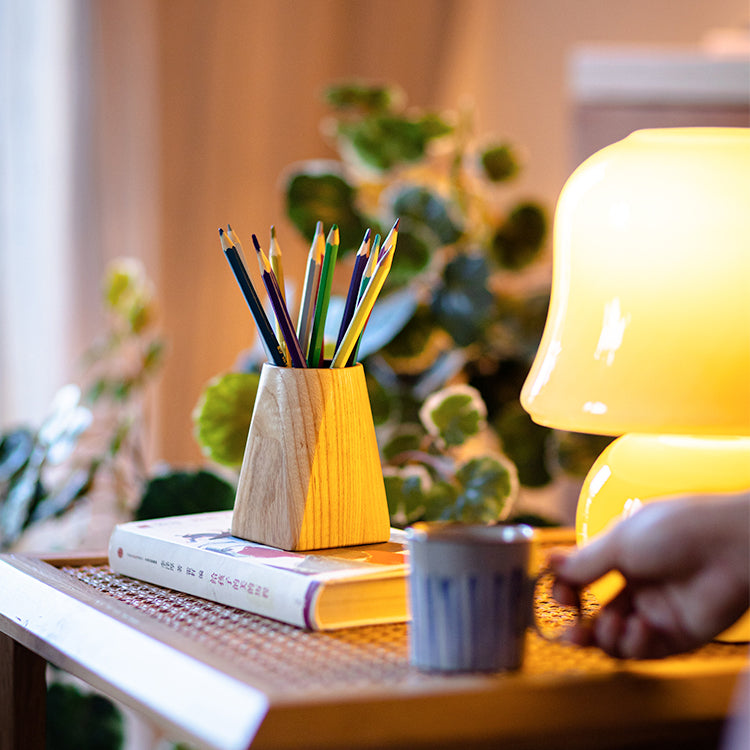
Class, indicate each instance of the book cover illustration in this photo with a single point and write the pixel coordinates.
(211, 532)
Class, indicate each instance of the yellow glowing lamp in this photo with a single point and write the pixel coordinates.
(648, 332)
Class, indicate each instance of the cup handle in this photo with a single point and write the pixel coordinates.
(535, 623)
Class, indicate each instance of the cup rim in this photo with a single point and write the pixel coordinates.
(456, 531)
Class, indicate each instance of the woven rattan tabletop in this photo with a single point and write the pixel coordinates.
(287, 660)
(223, 679)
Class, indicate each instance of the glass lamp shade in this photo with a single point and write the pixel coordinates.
(637, 469)
(648, 332)
(649, 321)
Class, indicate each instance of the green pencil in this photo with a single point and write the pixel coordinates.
(315, 352)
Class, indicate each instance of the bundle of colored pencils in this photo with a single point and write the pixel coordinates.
(304, 345)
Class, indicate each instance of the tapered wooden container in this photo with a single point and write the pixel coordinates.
(311, 476)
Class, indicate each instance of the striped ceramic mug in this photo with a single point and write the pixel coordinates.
(470, 595)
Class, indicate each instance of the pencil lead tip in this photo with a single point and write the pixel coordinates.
(229, 227)
(395, 226)
(273, 232)
(256, 243)
(367, 235)
(221, 232)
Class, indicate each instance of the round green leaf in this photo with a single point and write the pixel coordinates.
(183, 493)
(440, 502)
(520, 238)
(413, 338)
(487, 483)
(425, 213)
(406, 491)
(408, 437)
(411, 257)
(222, 417)
(499, 162)
(385, 140)
(355, 95)
(318, 192)
(462, 304)
(454, 413)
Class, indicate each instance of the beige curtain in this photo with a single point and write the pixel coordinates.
(240, 100)
(202, 104)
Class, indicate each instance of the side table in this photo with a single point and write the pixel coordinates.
(223, 679)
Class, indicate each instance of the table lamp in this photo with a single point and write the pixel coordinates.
(648, 332)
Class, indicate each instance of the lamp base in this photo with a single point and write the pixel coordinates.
(636, 469)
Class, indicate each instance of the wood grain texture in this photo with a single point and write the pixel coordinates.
(22, 697)
(311, 476)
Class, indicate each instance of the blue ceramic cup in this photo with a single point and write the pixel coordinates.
(471, 596)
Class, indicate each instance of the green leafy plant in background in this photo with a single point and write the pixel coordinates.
(434, 472)
(465, 301)
(92, 438)
(79, 720)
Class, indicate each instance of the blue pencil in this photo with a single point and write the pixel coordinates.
(267, 336)
(363, 255)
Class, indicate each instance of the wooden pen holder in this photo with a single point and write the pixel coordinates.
(311, 476)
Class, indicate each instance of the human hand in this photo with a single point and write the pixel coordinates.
(686, 564)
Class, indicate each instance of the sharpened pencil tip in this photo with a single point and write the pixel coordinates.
(256, 243)
(273, 232)
(221, 232)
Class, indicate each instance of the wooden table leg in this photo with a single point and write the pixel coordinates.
(23, 696)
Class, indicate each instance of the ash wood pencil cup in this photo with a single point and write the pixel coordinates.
(311, 476)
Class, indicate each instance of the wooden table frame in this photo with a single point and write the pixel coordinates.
(46, 615)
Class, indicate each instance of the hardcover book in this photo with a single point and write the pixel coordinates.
(321, 590)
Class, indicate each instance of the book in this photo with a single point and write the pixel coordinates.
(320, 590)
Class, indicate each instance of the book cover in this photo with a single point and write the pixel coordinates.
(320, 590)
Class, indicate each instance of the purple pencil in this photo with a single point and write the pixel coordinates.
(279, 308)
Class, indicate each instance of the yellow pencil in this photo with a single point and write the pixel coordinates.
(372, 261)
(274, 256)
(363, 310)
(390, 239)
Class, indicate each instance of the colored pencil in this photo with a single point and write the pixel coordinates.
(279, 307)
(363, 310)
(366, 276)
(315, 352)
(267, 336)
(390, 239)
(352, 295)
(274, 256)
(235, 240)
(310, 289)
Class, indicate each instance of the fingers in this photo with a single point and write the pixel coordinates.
(589, 563)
